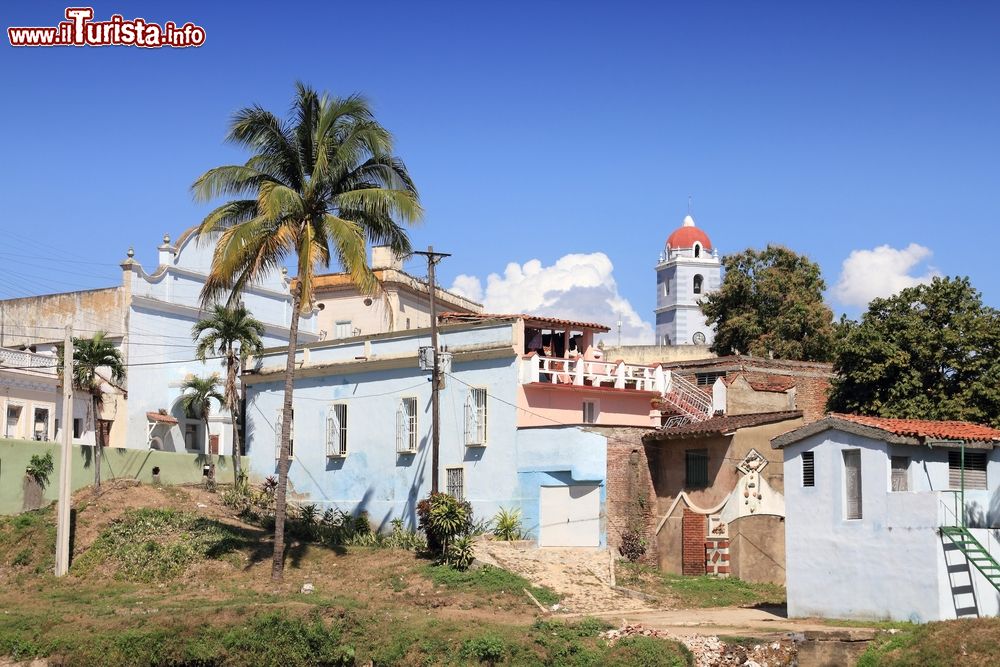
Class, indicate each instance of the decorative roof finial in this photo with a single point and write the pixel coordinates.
(131, 252)
(166, 239)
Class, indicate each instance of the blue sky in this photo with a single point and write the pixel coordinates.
(539, 130)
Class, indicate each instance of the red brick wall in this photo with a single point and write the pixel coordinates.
(630, 497)
(693, 531)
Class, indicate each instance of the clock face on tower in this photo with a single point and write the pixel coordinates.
(698, 338)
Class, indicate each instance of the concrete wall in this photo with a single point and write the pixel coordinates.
(743, 399)
(116, 464)
(891, 562)
(653, 354)
(31, 320)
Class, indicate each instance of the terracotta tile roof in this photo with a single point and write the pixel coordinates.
(926, 428)
(896, 431)
(530, 319)
(162, 419)
(722, 424)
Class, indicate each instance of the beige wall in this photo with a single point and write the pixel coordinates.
(403, 305)
(31, 320)
(742, 399)
(653, 354)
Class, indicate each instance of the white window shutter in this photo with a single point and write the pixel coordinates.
(470, 420)
(400, 428)
(277, 436)
(336, 419)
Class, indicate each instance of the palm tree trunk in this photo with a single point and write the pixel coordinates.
(278, 562)
(234, 414)
(97, 443)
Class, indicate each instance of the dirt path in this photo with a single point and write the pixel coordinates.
(750, 622)
(581, 576)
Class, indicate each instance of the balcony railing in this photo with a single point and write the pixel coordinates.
(26, 360)
(684, 397)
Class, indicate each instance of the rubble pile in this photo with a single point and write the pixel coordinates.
(710, 651)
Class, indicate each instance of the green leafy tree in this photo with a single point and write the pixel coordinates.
(96, 361)
(317, 188)
(930, 352)
(196, 399)
(234, 334)
(771, 303)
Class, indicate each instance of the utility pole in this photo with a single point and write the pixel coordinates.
(65, 475)
(432, 259)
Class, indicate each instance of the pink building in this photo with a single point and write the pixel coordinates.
(565, 379)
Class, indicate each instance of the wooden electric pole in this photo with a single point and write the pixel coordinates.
(432, 259)
(66, 460)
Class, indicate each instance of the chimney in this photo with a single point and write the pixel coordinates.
(384, 258)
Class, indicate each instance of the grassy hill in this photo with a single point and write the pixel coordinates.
(168, 576)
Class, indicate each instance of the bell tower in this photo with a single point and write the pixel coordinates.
(689, 268)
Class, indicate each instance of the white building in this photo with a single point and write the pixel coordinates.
(149, 316)
(689, 268)
(31, 398)
(874, 519)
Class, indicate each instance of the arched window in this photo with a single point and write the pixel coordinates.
(697, 250)
(697, 284)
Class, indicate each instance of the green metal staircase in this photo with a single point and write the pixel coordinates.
(975, 552)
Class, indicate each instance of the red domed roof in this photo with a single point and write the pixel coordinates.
(688, 235)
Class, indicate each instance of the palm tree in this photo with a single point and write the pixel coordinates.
(317, 187)
(89, 356)
(196, 401)
(235, 335)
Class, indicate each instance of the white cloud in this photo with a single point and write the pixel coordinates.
(577, 287)
(880, 272)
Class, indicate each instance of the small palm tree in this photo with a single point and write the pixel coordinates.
(196, 401)
(316, 188)
(236, 335)
(90, 355)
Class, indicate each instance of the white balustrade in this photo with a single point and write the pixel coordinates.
(17, 359)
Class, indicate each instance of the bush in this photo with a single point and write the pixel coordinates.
(507, 525)
(443, 518)
(39, 469)
(489, 648)
(460, 553)
(633, 546)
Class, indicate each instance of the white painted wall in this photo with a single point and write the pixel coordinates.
(890, 564)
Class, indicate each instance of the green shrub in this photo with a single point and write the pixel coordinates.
(507, 525)
(648, 652)
(443, 518)
(39, 468)
(488, 648)
(460, 553)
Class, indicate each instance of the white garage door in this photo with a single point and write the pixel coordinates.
(570, 516)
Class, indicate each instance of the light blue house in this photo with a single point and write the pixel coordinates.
(361, 431)
(874, 520)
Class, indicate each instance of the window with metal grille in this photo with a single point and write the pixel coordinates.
(697, 283)
(975, 469)
(707, 379)
(900, 473)
(406, 425)
(456, 483)
(475, 417)
(852, 483)
(808, 469)
(277, 435)
(336, 430)
(696, 468)
(590, 412)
